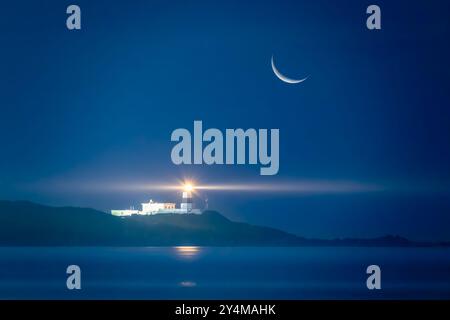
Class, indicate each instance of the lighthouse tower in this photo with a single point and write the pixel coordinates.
(186, 204)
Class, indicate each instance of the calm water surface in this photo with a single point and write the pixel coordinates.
(224, 273)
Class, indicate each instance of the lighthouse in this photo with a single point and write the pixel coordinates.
(150, 208)
(186, 202)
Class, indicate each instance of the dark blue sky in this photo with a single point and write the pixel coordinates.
(98, 105)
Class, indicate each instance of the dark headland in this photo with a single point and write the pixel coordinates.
(28, 224)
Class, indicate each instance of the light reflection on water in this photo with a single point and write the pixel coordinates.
(187, 252)
(188, 284)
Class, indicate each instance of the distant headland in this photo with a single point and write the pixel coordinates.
(25, 223)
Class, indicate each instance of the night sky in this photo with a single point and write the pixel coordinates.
(84, 110)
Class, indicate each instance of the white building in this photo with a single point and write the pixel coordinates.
(152, 207)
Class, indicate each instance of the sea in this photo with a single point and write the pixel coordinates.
(189, 272)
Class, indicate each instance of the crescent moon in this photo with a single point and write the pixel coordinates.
(283, 77)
